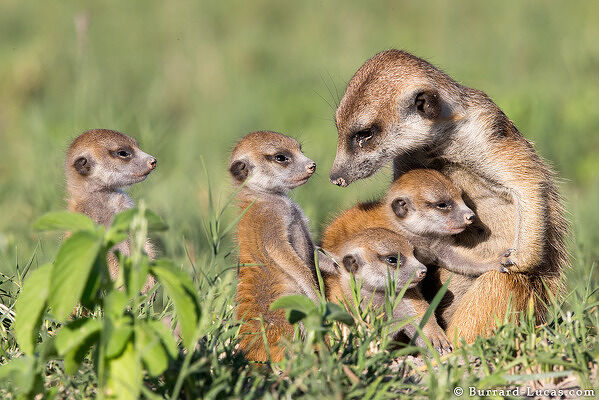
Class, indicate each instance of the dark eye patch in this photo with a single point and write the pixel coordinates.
(360, 138)
(394, 259)
(124, 153)
(281, 157)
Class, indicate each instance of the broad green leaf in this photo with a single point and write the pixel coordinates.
(122, 221)
(21, 373)
(135, 278)
(74, 357)
(64, 221)
(179, 287)
(150, 347)
(72, 335)
(166, 336)
(296, 302)
(118, 334)
(30, 307)
(115, 303)
(98, 274)
(294, 316)
(71, 271)
(124, 375)
(336, 313)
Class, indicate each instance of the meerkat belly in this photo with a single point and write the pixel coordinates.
(300, 239)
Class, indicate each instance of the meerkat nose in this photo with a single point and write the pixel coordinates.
(311, 167)
(152, 163)
(469, 217)
(422, 273)
(339, 182)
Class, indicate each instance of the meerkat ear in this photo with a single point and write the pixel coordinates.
(400, 207)
(352, 262)
(428, 103)
(82, 165)
(240, 170)
(326, 262)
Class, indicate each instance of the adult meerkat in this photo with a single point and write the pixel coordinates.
(98, 165)
(370, 255)
(426, 208)
(399, 107)
(276, 251)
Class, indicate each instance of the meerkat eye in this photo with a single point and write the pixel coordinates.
(363, 136)
(123, 153)
(443, 205)
(281, 158)
(391, 260)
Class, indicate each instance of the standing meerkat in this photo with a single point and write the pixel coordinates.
(276, 251)
(426, 208)
(98, 165)
(399, 107)
(370, 255)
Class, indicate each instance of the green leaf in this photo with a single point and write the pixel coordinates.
(124, 375)
(122, 221)
(179, 287)
(295, 302)
(119, 333)
(64, 221)
(99, 274)
(115, 303)
(30, 308)
(72, 335)
(71, 271)
(294, 316)
(150, 347)
(335, 312)
(166, 336)
(21, 373)
(74, 357)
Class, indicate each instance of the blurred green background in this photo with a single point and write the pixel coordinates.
(187, 79)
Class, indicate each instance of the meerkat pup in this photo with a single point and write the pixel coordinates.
(371, 256)
(423, 206)
(399, 107)
(98, 165)
(276, 251)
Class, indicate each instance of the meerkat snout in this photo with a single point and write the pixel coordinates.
(311, 167)
(152, 163)
(469, 216)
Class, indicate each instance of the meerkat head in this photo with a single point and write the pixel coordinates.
(394, 104)
(270, 162)
(101, 159)
(426, 203)
(372, 254)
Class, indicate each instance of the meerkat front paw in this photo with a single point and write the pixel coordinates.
(507, 260)
(438, 339)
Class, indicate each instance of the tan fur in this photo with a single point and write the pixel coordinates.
(369, 242)
(95, 176)
(273, 237)
(418, 115)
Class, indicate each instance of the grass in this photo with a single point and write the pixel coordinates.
(188, 80)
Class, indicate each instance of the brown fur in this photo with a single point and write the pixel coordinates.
(273, 237)
(408, 109)
(358, 228)
(95, 175)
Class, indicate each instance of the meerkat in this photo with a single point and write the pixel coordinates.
(370, 255)
(276, 252)
(426, 208)
(399, 107)
(99, 164)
